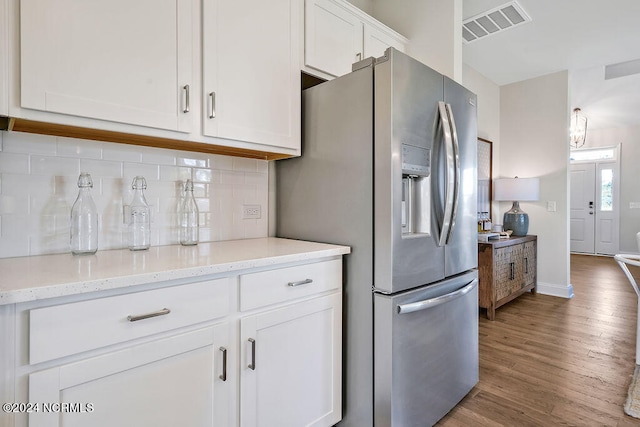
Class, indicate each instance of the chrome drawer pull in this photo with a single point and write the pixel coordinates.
(301, 282)
(223, 377)
(137, 317)
(252, 365)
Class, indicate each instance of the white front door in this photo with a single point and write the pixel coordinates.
(595, 206)
(582, 203)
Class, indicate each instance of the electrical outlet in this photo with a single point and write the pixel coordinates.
(551, 206)
(251, 211)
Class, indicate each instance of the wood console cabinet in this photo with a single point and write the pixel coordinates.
(507, 269)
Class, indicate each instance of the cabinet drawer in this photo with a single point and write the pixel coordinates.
(67, 329)
(284, 284)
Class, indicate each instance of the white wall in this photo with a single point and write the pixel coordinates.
(534, 118)
(629, 138)
(433, 30)
(488, 117)
(38, 185)
(364, 5)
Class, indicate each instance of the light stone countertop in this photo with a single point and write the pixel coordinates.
(49, 276)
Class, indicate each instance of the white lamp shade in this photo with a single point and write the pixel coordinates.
(517, 189)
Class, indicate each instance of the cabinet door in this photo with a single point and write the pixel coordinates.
(291, 365)
(169, 382)
(251, 71)
(376, 41)
(508, 270)
(530, 263)
(117, 60)
(332, 37)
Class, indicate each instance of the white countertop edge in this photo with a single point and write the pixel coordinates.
(299, 251)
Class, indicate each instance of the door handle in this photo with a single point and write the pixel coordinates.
(450, 177)
(434, 302)
(223, 376)
(212, 105)
(456, 166)
(185, 88)
(252, 365)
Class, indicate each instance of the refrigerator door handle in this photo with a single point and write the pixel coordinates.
(434, 302)
(456, 162)
(450, 175)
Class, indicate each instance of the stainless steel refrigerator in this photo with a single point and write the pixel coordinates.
(388, 167)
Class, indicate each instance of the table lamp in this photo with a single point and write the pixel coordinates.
(516, 190)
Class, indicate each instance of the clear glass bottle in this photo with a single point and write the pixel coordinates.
(189, 214)
(140, 217)
(84, 219)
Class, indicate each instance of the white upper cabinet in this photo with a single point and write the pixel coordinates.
(338, 34)
(251, 71)
(119, 60)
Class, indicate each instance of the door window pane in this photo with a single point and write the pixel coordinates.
(606, 190)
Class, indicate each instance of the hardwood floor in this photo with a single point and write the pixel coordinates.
(548, 361)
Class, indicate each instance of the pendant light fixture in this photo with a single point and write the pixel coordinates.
(578, 130)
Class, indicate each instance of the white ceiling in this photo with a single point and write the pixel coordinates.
(581, 36)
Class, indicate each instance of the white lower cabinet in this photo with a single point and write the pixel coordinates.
(170, 382)
(291, 365)
(255, 348)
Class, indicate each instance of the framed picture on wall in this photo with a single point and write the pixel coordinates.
(484, 175)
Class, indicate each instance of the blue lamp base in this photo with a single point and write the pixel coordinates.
(516, 220)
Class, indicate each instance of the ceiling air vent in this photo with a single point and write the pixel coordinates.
(494, 21)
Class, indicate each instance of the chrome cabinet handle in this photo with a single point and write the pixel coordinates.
(223, 377)
(359, 56)
(186, 98)
(136, 317)
(434, 302)
(252, 365)
(301, 282)
(212, 106)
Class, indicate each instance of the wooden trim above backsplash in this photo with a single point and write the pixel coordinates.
(31, 126)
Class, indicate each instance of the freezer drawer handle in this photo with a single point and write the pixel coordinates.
(252, 365)
(434, 302)
(135, 318)
(223, 376)
(301, 282)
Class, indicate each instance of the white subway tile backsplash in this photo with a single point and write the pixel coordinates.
(56, 166)
(14, 163)
(101, 168)
(159, 156)
(150, 172)
(28, 143)
(38, 185)
(244, 165)
(73, 147)
(122, 152)
(232, 177)
(175, 173)
(204, 175)
(193, 161)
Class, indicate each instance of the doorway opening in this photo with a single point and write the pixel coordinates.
(595, 200)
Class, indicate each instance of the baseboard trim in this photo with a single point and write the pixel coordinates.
(555, 290)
